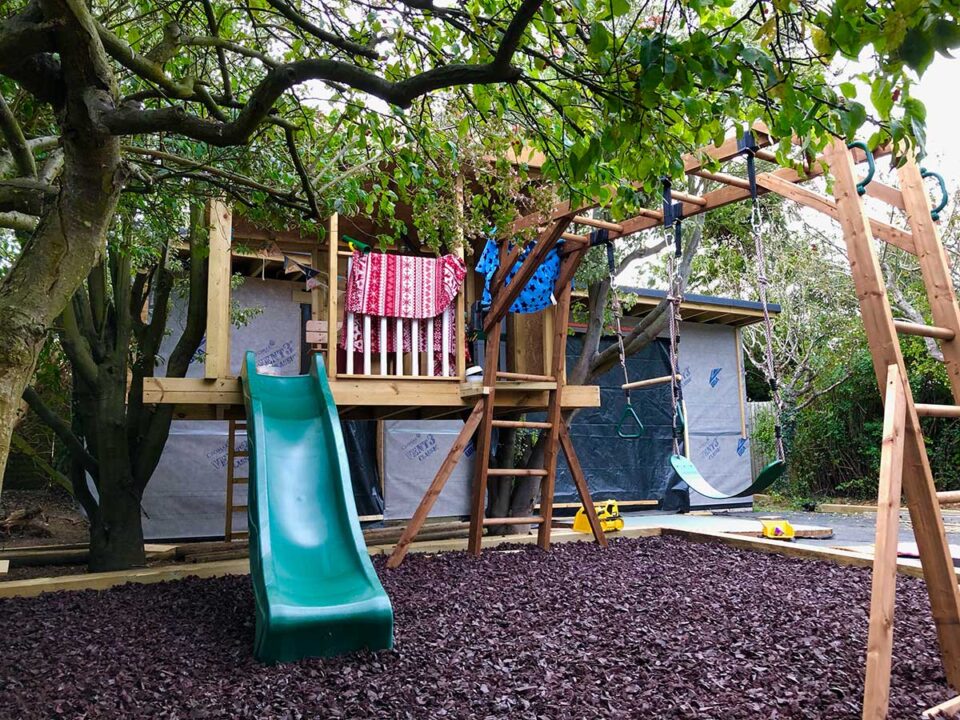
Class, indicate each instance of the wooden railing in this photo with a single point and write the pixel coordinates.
(377, 360)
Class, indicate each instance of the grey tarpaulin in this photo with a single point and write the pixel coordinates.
(412, 454)
(639, 469)
(186, 496)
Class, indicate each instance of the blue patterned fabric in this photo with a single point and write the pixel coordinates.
(538, 293)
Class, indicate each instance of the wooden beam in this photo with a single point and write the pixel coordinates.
(460, 328)
(217, 358)
(890, 195)
(934, 267)
(876, 694)
(885, 349)
(422, 512)
(580, 481)
(816, 201)
(333, 265)
(554, 412)
(946, 709)
(373, 391)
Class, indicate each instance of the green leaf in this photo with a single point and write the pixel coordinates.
(599, 39)
(849, 90)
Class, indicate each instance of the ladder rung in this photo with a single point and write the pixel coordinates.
(238, 534)
(241, 453)
(948, 496)
(504, 472)
(240, 481)
(525, 376)
(239, 425)
(947, 411)
(529, 520)
(239, 508)
(931, 331)
(522, 424)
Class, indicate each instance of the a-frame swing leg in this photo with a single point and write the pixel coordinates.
(876, 694)
(580, 481)
(884, 346)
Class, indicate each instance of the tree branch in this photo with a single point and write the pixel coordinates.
(21, 222)
(318, 32)
(129, 120)
(62, 430)
(302, 172)
(17, 143)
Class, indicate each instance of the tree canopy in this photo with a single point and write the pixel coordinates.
(293, 101)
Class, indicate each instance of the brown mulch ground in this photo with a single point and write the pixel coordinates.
(650, 628)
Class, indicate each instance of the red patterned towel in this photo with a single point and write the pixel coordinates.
(403, 285)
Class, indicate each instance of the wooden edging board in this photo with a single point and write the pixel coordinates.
(100, 581)
(843, 509)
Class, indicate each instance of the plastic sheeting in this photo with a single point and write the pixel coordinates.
(413, 452)
(640, 469)
(187, 495)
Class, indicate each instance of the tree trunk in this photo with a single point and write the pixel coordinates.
(70, 237)
(116, 533)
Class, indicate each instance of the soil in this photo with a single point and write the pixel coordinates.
(649, 628)
(61, 521)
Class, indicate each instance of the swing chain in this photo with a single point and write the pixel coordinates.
(617, 309)
(770, 370)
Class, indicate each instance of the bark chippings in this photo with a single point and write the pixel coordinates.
(649, 628)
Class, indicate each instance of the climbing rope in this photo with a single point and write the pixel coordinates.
(674, 300)
(770, 370)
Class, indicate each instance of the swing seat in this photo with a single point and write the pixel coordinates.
(688, 472)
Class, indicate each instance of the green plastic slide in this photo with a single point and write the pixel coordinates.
(314, 586)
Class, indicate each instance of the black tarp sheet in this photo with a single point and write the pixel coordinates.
(635, 469)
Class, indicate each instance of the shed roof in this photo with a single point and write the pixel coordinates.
(700, 308)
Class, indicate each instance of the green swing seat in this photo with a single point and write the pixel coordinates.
(691, 476)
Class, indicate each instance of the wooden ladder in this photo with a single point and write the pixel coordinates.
(482, 421)
(557, 438)
(904, 462)
(229, 534)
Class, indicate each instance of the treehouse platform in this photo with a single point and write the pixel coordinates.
(377, 380)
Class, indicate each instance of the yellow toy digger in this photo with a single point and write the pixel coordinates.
(609, 514)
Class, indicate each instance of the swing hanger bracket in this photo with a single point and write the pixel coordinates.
(747, 146)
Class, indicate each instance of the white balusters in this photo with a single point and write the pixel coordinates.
(430, 369)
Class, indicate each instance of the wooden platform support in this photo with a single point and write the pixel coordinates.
(482, 420)
(217, 359)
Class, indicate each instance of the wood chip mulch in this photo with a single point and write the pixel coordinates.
(650, 628)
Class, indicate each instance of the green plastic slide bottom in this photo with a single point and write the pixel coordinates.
(315, 589)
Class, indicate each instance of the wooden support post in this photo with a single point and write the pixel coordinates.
(876, 695)
(436, 487)
(460, 329)
(884, 347)
(217, 359)
(316, 298)
(478, 504)
(934, 267)
(580, 481)
(554, 408)
(333, 265)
